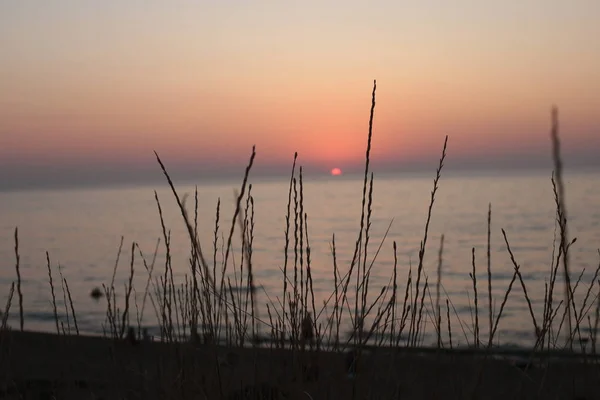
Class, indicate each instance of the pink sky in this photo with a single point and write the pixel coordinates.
(85, 83)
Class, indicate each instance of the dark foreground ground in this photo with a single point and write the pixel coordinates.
(45, 366)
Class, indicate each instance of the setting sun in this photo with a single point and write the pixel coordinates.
(336, 171)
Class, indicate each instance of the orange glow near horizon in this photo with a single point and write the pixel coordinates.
(83, 84)
(336, 171)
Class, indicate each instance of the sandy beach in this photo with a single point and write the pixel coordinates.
(40, 366)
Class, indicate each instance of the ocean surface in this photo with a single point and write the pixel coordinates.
(81, 230)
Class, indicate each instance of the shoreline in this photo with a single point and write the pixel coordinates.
(84, 366)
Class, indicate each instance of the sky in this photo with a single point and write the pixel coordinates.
(89, 89)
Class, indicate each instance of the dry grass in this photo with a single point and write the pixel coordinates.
(220, 314)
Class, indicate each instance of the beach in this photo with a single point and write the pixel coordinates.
(286, 200)
(396, 343)
(40, 365)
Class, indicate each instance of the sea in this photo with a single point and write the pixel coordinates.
(81, 230)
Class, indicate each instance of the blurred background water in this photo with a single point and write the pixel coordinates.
(81, 229)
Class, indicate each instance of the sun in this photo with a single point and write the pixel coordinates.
(336, 171)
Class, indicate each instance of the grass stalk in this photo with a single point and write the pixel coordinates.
(52, 292)
(18, 269)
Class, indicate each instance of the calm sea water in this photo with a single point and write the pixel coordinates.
(82, 229)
